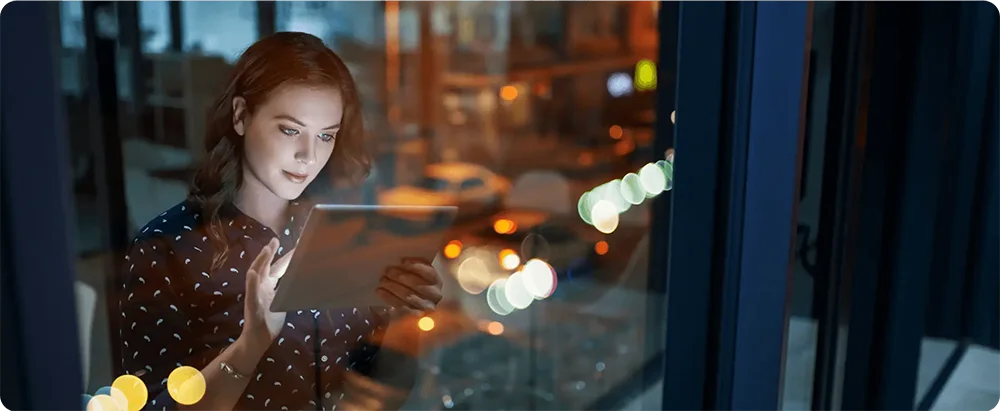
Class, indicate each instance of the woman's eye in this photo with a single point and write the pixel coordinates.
(288, 131)
(327, 137)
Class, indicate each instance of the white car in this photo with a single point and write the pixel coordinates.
(473, 188)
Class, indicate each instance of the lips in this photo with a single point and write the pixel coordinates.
(295, 177)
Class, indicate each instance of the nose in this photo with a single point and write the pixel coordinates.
(306, 153)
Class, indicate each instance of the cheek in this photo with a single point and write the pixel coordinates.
(325, 152)
(264, 150)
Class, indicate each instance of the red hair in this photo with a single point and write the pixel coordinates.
(270, 63)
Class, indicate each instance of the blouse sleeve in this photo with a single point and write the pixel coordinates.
(155, 333)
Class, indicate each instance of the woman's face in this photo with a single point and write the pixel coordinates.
(289, 138)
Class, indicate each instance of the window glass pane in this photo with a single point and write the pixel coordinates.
(154, 22)
(496, 107)
(219, 28)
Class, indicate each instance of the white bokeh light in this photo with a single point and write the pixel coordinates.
(605, 216)
(517, 292)
(539, 278)
(619, 84)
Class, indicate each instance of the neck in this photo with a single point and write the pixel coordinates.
(258, 202)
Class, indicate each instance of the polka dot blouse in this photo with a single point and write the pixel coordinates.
(176, 310)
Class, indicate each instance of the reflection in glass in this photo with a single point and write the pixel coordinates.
(545, 300)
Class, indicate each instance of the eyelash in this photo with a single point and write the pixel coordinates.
(292, 132)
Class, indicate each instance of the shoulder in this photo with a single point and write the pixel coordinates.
(178, 227)
(180, 218)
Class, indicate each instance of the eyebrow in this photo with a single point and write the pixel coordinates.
(296, 121)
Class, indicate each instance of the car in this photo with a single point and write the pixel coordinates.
(508, 239)
(473, 188)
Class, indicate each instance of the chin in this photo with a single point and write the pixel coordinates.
(287, 193)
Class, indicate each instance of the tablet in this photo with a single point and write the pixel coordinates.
(344, 250)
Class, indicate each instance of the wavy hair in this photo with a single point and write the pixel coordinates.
(267, 65)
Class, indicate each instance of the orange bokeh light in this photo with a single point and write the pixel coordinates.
(601, 248)
(616, 132)
(494, 328)
(504, 226)
(508, 93)
(453, 249)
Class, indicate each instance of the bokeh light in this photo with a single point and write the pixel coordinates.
(535, 246)
(504, 226)
(472, 275)
(508, 93)
(616, 132)
(186, 385)
(667, 166)
(605, 216)
(612, 191)
(509, 259)
(103, 402)
(426, 324)
(453, 249)
(645, 75)
(115, 394)
(619, 84)
(631, 189)
(601, 247)
(517, 291)
(652, 179)
(634, 188)
(496, 297)
(495, 328)
(134, 391)
(538, 278)
(584, 205)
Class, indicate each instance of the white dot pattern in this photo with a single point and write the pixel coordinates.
(177, 310)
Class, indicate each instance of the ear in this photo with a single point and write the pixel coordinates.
(239, 115)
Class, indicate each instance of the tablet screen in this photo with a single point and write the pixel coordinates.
(344, 251)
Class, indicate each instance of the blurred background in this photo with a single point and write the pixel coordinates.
(511, 110)
(552, 125)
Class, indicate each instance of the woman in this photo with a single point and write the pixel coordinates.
(199, 278)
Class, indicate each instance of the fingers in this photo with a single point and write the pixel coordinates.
(421, 268)
(401, 308)
(279, 267)
(415, 284)
(403, 296)
(261, 264)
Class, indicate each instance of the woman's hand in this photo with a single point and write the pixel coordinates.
(413, 287)
(262, 325)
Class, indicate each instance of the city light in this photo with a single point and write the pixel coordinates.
(645, 75)
(426, 324)
(453, 249)
(472, 275)
(597, 205)
(508, 93)
(601, 247)
(509, 259)
(619, 84)
(504, 226)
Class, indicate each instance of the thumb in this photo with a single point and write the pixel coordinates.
(278, 268)
(262, 262)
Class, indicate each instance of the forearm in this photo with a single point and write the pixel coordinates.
(222, 390)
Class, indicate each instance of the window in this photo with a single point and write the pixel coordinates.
(219, 28)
